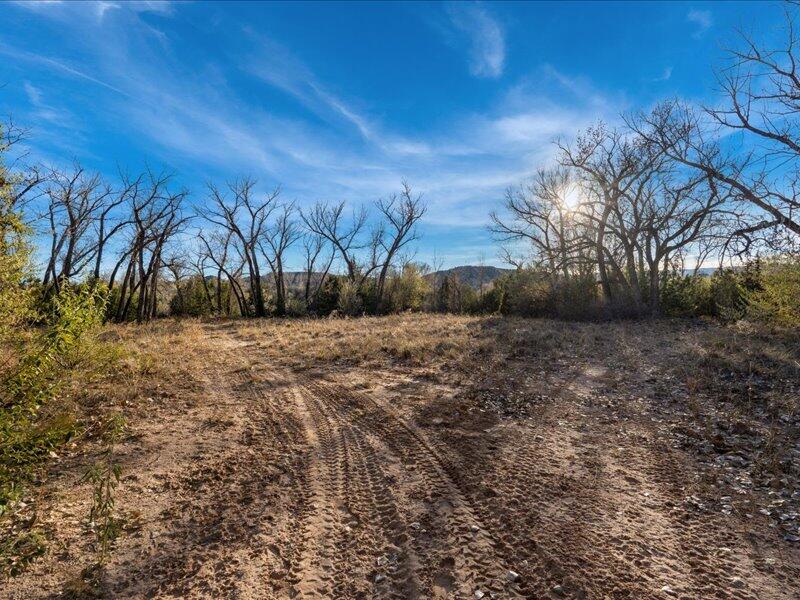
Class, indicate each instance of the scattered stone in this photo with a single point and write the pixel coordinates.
(382, 560)
(479, 594)
(379, 577)
(737, 583)
(474, 528)
(415, 525)
(667, 590)
(791, 538)
(558, 590)
(512, 576)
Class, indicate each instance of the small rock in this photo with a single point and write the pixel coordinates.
(382, 560)
(379, 577)
(791, 538)
(479, 594)
(667, 590)
(415, 525)
(558, 590)
(474, 528)
(512, 576)
(737, 583)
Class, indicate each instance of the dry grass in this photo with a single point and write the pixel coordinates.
(726, 378)
(413, 339)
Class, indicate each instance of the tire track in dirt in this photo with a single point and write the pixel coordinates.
(469, 560)
(226, 505)
(589, 511)
(355, 542)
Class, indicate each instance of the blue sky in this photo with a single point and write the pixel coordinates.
(344, 101)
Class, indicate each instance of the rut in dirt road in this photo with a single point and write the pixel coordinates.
(372, 534)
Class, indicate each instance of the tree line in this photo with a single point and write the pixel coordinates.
(140, 231)
(670, 189)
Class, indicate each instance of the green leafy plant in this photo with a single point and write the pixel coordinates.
(33, 426)
(104, 475)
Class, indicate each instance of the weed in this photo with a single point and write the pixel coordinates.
(104, 475)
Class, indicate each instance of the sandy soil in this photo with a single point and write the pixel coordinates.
(259, 480)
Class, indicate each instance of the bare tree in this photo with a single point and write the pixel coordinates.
(179, 268)
(327, 222)
(761, 87)
(246, 217)
(76, 201)
(313, 246)
(636, 210)
(218, 247)
(281, 234)
(611, 167)
(109, 225)
(402, 213)
(156, 217)
(541, 214)
(20, 181)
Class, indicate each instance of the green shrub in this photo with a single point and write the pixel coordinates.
(728, 295)
(192, 300)
(686, 296)
(327, 298)
(526, 293)
(15, 300)
(576, 298)
(490, 302)
(25, 437)
(407, 290)
(350, 301)
(777, 298)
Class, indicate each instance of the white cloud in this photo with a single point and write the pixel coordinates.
(63, 67)
(702, 19)
(38, 4)
(34, 93)
(198, 123)
(102, 6)
(486, 38)
(666, 74)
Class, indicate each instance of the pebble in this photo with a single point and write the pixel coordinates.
(737, 582)
(557, 589)
(479, 594)
(474, 528)
(379, 577)
(512, 576)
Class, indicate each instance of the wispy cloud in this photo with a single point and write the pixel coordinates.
(487, 44)
(33, 93)
(702, 19)
(199, 123)
(39, 5)
(666, 74)
(275, 65)
(102, 6)
(57, 65)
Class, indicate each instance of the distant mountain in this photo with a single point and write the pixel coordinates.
(473, 276)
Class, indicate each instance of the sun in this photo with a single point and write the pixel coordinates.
(571, 197)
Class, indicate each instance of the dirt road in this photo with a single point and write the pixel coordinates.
(284, 484)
